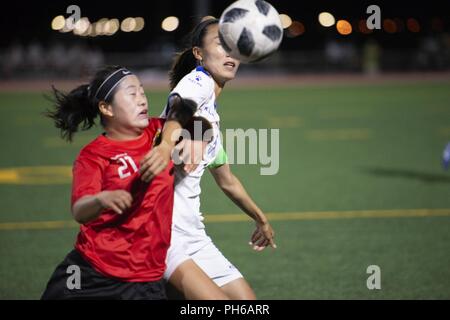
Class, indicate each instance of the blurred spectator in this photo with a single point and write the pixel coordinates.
(371, 58)
(13, 60)
(94, 59)
(35, 60)
(56, 59)
(340, 55)
(431, 53)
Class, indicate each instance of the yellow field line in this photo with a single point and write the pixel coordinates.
(280, 216)
(36, 225)
(319, 215)
(339, 134)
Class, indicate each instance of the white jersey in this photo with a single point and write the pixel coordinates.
(198, 86)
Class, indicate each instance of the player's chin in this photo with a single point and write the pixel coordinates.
(142, 123)
(229, 74)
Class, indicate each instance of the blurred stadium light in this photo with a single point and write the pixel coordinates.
(326, 19)
(286, 21)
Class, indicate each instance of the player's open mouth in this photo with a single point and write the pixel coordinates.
(143, 113)
(230, 64)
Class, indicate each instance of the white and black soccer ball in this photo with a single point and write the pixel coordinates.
(250, 30)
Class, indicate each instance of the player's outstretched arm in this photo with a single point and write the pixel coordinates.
(263, 236)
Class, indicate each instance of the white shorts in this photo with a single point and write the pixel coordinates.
(205, 254)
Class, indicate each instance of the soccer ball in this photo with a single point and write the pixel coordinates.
(250, 30)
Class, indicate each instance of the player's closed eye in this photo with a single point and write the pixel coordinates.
(131, 91)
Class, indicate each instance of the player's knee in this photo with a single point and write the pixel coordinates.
(239, 290)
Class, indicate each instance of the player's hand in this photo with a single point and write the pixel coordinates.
(155, 161)
(117, 200)
(262, 237)
(189, 153)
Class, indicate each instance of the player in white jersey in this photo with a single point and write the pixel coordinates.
(194, 265)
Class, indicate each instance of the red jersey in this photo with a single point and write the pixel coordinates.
(131, 246)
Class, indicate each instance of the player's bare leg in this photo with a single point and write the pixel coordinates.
(239, 289)
(195, 284)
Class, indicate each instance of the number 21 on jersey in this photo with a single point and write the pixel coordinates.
(127, 165)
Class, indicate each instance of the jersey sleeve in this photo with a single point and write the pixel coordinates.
(155, 129)
(220, 159)
(87, 176)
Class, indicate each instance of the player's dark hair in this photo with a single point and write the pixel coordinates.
(181, 110)
(79, 108)
(185, 61)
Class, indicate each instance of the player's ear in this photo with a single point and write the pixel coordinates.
(105, 109)
(197, 52)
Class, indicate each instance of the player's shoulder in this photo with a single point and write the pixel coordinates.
(198, 77)
(94, 149)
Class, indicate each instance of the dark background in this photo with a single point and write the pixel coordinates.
(29, 48)
(26, 22)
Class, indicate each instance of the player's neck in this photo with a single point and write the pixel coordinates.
(121, 134)
(218, 88)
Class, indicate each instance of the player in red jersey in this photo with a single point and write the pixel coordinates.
(125, 222)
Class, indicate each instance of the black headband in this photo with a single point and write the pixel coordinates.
(105, 89)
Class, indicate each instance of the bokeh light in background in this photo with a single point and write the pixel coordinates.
(295, 29)
(128, 25)
(111, 27)
(389, 26)
(103, 27)
(170, 24)
(140, 23)
(393, 25)
(413, 25)
(81, 26)
(58, 23)
(362, 27)
(286, 21)
(326, 19)
(344, 27)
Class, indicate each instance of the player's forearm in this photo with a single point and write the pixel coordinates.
(86, 209)
(237, 193)
(171, 133)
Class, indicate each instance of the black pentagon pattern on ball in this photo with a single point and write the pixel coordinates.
(224, 44)
(262, 6)
(234, 15)
(246, 43)
(272, 32)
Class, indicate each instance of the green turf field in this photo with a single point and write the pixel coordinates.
(344, 150)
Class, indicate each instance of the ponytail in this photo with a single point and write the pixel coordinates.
(183, 64)
(79, 108)
(72, 110)
(185, 61)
